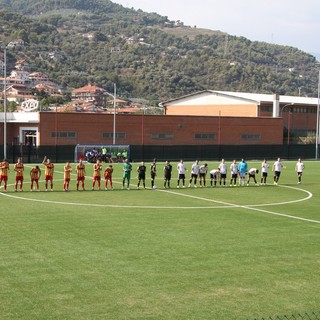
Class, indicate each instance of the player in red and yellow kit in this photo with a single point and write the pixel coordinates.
(18, 168)
(81, 173)
(97, 167)
(67, 173)
(4, 168)
(35, 174)
(48, 172)
(108, 176)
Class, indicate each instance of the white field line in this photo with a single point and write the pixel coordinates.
(223, 203)
(104, 205)
(253, 207)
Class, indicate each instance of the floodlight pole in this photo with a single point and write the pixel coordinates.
(114, 96)
(5, 105)
(114, 112)
(288, 120)
(317, 125)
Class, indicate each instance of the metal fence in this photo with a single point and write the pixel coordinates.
(299, 316)
(217, 152)
(31, 154)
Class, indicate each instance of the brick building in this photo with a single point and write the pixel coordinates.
(206, 118)
(221, 119)
(52, 128)
(299, 113)
(91, 128)
(90, 93)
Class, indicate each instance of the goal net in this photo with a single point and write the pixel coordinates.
(105, 153)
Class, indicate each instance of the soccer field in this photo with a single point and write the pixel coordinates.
(194, 253)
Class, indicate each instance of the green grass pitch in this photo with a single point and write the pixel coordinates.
(204, 253)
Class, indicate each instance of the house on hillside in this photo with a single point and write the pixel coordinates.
(11, 81)
(22, 65)
(18, 93)
(38, 77)
(115, 49)
(90, 93)
(19, 43)
(23, 75)
(48, 89)
(89, 35)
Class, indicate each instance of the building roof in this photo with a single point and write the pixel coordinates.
(23, 117)
(117, 101)
(88, 88)
(243, 97)
(42, 86)
(269, 98)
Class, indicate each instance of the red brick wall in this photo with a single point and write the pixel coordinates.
(138, 128)
(304, 121)
(13, 131)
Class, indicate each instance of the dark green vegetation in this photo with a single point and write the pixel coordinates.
(160, 63)
(213, 253)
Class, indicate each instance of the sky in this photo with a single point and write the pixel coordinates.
(285, 22)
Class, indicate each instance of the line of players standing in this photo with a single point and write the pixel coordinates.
(35, 174)
(219, 175)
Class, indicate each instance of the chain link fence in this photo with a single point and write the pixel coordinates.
(62, 153)
(299, 316)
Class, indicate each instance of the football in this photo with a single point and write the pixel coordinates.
(154, 187)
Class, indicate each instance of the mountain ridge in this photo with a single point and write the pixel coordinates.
(147, 55)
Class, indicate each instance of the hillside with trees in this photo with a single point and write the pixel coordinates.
(145, 54)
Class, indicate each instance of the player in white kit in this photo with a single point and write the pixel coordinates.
(299, 169)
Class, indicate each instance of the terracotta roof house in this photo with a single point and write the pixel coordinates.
(90, 93)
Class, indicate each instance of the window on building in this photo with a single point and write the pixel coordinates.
(109, 135)
(205, 136)
(304, 133)
(266, 109)
(311, 110)
(250, 137)
(64, 135)
(300, 110)
(162, 136)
